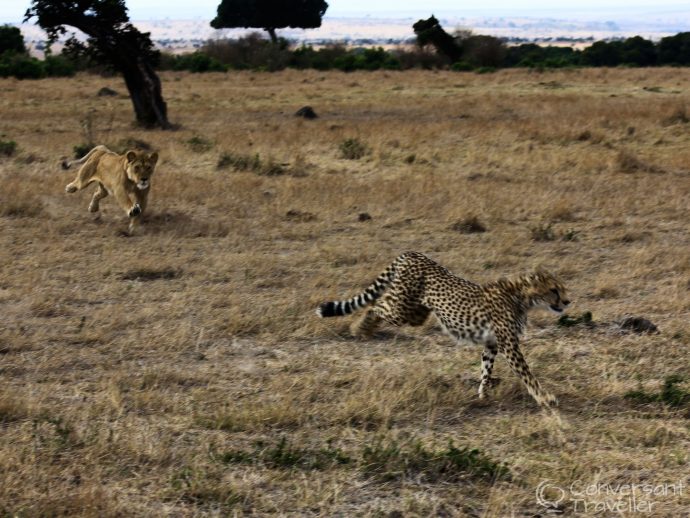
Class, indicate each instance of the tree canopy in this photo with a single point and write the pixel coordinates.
(269, 14)
(11, 40)
(112, 41)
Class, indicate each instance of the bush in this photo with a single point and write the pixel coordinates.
(197, 62)
(249, 52)
(80, 150)
(21, 66)
(352, 149)
(7, 147)
(461, 66)
(59, 66)
(321, 59)
(483, 51)
(366, 59)
(419, 57)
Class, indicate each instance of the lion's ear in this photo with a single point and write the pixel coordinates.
(131, 156)
(153, 157)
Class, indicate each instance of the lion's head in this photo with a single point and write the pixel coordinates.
(140, 166)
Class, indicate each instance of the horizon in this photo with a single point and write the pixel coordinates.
(144, 10)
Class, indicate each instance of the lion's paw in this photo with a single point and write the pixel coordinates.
(135, 211)
(70, 188)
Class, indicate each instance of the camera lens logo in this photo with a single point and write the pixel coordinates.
(550, 496)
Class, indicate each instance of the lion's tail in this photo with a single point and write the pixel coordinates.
(66, 164)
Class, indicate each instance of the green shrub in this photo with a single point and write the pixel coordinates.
(59, 66)
(352, 149)
(22, 66)
(197, 62)
(390, 460)
(80, 150)
(7, 147)
(461, 66)
(670, 394)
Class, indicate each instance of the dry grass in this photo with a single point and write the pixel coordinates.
(183, 372)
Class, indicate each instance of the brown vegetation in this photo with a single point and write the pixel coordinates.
(183, 371)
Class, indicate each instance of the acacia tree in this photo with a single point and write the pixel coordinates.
(112, 41)
(269, 14)
(430, 32)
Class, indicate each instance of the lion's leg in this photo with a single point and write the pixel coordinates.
(100, 193)
(86, 172)
(137, 210)
(128, 202)
(84, 177)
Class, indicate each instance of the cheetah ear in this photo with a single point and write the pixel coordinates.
(153, 157)
(131, 156)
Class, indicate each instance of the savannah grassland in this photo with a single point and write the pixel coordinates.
(183, 371)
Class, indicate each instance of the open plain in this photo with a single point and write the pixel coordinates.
(183, 372)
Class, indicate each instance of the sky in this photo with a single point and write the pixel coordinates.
(12, 11)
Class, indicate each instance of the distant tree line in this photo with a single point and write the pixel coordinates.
(462, 51)
(471, 52)
(15, 61)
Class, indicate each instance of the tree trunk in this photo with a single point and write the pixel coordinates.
(145, 91)
(272, 33)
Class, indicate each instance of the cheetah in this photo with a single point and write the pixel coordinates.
(493, 315)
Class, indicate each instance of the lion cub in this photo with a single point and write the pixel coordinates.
(127, 177)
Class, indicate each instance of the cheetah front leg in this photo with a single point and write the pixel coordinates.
(519, 366)
(488, 357)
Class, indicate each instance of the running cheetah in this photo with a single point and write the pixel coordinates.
(493, 315)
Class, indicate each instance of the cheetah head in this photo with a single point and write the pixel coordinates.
(140, 167)
(546, 291)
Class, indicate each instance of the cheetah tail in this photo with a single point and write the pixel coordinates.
(339, 308)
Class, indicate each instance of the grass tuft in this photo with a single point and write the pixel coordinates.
(147, 274)
(199, 144)
(469, 225)
(390, 460)
(542, 232)
(352, 149)
(671, 394)
(283, 455)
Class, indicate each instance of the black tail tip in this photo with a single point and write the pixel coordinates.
(66, 164)
(327, 309)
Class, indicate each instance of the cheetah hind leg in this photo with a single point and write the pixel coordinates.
(365, 326)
